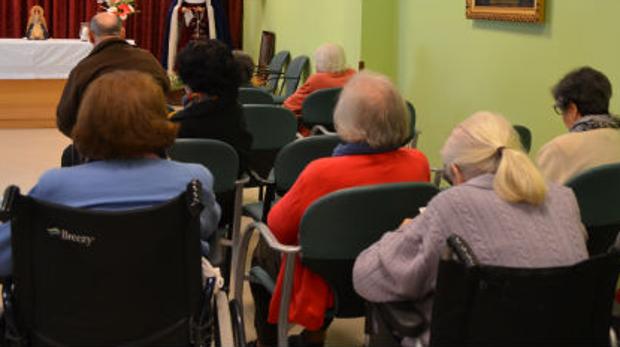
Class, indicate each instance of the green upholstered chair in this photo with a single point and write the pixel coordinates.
(275, 70)
(598, 195)
(412, 140)
(272, 128)
(317, 110)
(296, 70)
(223, 162)
(289, 163)
(333, 231)
(525, 135)
(254, 96)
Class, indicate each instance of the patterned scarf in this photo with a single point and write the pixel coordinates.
(595, 121)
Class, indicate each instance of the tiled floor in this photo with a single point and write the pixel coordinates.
(26, 154)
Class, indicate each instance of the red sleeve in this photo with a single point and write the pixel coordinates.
(295, 101)
(285, 216)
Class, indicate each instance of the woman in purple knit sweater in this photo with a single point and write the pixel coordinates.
(500, 205)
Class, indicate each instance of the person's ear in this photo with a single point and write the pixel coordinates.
(571, 115)
(91, 37)
(457, 175)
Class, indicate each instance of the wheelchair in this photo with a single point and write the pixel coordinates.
(107, 278)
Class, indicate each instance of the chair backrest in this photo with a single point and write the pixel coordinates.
(598, 195)
(295, 156)
(412, 122)
(92, 278)
(525, 135)
(272, 127)
(254, 96)
(318, 108)
(219, 157)
(337, 227)
(412, 114)
(293, 75)
(500, 306)
(276, 70)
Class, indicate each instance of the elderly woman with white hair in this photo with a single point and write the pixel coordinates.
(372, 120)
(331, 72)
(500, 205)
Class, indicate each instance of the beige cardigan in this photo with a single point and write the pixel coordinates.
(570, 154)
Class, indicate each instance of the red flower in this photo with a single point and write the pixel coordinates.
(124, 9)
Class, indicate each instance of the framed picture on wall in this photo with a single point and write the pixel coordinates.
(507, 10)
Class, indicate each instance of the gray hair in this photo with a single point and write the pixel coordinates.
(106, 24)
(330, 57)
(371, 110)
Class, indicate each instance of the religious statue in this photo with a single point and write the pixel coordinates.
(190, 20)
(37, 26)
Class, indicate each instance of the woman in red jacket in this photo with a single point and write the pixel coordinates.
(372, 120)
(331, 72)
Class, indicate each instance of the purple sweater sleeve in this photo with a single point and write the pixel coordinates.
(402, 264)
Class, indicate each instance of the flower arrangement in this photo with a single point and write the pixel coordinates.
(121, 8)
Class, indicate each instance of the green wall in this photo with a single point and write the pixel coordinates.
(450, 66)
(379, 49)
(301, 26)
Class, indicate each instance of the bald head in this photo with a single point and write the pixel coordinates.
(105, 25)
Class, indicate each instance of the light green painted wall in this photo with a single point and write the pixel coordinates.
(450, 66)
(301, 26)
(379, 49)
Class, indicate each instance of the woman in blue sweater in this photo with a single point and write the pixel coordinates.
(122, 129)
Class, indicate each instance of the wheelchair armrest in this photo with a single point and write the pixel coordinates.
(8, 200)
(460, 250)
(402, 318)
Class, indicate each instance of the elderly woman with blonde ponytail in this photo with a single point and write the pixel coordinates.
(500, 205)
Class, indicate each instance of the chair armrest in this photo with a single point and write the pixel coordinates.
(319, 129)
(240, 255)
(401, 318)
(262, 181)
(237, 213)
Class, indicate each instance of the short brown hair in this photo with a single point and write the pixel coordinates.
(123, 115)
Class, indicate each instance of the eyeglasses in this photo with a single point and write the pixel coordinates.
(558, 110)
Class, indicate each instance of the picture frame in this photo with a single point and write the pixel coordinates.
(531, 11)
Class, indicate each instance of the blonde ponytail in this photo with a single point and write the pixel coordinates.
(518, 180)
(487, 143)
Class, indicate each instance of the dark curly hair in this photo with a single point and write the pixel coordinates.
(209, 67)
(587, 88)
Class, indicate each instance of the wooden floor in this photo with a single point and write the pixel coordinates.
(29, 103)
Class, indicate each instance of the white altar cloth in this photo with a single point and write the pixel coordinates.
(50, 59)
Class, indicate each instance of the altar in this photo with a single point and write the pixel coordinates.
(23, 59)
(32, 77)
